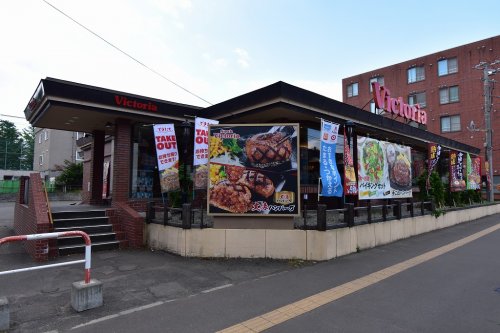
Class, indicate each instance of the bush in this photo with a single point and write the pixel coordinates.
(72, 174)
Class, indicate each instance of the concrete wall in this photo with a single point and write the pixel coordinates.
(300, 244)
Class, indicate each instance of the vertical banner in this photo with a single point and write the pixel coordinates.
(330, 177)
(350, 183)
(433, 158)
(473, 173)
(167, 157)
(105, 180)
(200, 157)
(457, 182)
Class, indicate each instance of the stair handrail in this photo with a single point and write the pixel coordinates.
(49, 212)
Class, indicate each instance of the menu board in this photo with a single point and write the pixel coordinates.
(253, 170)
(384, 170)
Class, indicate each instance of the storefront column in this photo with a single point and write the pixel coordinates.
(121, 160)
(97, 167)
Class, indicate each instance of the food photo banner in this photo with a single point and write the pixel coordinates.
(473, 173)
(330, 177)
(457, 181)
(253, 170)
(200, 156)
(384, 170)
(350, 183)
(167, 157)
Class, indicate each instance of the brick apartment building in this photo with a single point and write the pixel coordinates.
(447, 85)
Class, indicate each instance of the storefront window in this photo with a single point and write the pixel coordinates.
(144, 177)
(310, 155)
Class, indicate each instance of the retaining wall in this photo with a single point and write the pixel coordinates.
(300, 244)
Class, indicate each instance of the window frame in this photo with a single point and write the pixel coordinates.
(40, 159)
(416, 100)
(379, 79)
(351, 88)
(417, 78)
(450, 119)
(448, 95)
(451, 65)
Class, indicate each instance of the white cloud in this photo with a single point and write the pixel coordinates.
(243, 59)
(331, 89)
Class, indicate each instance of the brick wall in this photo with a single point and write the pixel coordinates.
(131, 223)
(32, 217)
(122, 159)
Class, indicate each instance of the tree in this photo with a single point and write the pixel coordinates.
(10, 146)
(28, 148)
(72, 174)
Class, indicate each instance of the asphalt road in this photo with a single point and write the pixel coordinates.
(458, 291)
(144, 291)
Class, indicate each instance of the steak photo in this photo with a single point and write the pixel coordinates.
(401, 173)
(268, 149)
(257, 182)
(235, 198)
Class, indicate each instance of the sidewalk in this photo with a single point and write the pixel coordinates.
(40, 300)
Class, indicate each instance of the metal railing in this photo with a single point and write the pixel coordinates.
(52, 235)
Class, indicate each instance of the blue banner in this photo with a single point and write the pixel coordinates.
(330, 177)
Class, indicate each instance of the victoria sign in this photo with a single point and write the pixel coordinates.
(383, 100)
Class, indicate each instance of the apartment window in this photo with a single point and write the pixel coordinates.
(372, 107)
(447, 66)
(45, 135)
(450, 124)
(379, 79)
(40, 159)
(448, 95)
(40, 138)
(416, 74)
(79, 155)
(352, 90)
(417, 98)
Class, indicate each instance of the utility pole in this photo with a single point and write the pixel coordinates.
(487, 89)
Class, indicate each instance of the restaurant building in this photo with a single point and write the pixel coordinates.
(120, 150)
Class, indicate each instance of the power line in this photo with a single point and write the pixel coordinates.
(126, 54)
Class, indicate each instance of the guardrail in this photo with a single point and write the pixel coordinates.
(52, 235)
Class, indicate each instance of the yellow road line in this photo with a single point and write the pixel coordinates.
(290, 311)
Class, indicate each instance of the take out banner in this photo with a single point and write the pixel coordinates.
(384, 170)
(167, 157)
(200, 156)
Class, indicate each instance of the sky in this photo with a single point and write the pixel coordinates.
(219, 49)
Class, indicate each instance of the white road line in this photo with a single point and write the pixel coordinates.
(217, 288)
(122, 313)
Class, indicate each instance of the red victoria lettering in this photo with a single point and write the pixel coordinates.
(383, 100)
(134, 104)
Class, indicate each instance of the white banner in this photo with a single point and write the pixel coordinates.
(201, 140)
(167, 157)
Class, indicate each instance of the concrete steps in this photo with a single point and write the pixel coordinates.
(93, 222)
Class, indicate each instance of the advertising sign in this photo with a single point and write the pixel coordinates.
(473, 173)
(253, 170)
(384, 170)
(167, 157)
(330, 177)
(200, 156)
(350, 183)
(457, 181)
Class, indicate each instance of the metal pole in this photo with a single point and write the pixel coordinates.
(487, 120)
